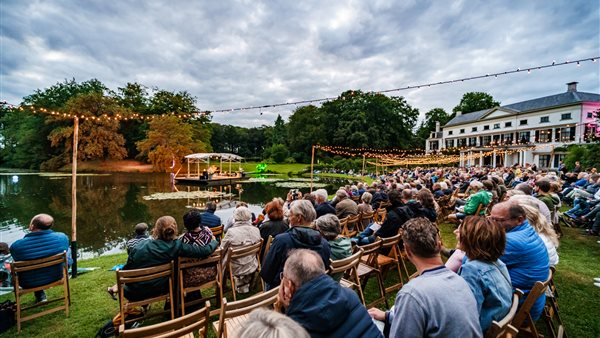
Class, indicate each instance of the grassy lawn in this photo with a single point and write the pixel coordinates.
(92, 307)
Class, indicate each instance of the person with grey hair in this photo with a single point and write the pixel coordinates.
(241, 233)
(345, 206)
(423, 308)
(329, 226)
(365, 205)
(263, 323)
(301, 235)
(321, 305)
(322, 206)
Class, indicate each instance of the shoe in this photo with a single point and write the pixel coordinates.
(41, 299)
(597, 280)
(111, 293)
(597, 284)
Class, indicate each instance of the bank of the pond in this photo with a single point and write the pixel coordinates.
(91, 305)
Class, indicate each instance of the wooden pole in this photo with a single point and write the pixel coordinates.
(74, 197)
(312, 165)
(363, 166)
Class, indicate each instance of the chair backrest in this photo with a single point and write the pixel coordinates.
(36, 264)
(267, 248)
(217, 232)
(247, 250)
(503, 328)
(391, 242)
(345, 264)
(143, 275)
(380, 215)
(196, 321)
(245, 306)
(191, 265)
(367, 217)
(370, 252)
(523, 314)
(350, 226)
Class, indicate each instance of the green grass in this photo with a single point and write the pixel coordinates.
(92, 307)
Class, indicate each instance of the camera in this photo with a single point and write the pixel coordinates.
(294, 193)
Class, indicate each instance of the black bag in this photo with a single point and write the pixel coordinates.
(107, 330)
(7, 315)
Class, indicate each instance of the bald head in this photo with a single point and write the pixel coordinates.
(302, 266)
(41, 222)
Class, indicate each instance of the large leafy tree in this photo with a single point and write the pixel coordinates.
(305, 128)
(428, 124)
(134, 99)
(279, 131)
(475, 101)
(167, 141)
(99, 136)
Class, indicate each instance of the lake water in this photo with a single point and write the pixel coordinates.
(108, 206)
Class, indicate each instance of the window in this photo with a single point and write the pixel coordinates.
(434, 145)
(485, 140)
(524, 136)
(507, 124)
(507, 138)
(565, 134)
(544, 119)
(496, 125)
(591, 132)
(590, 114)
(472, 141)
(543, 136)
(449, 143)
(462, 131)
(544, 161)
(565, 116)
(450, 132)
(474, 129)
(486, 127)
(522, 122)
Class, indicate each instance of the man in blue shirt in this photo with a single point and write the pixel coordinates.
(209, 218)
(41, 242)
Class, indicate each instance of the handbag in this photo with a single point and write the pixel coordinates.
(7, 315)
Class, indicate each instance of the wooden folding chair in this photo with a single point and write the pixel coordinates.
(233, 315)
(185, 326)
(387, 262)
(217, 232)
(267, 247)
(366, 218)
(348, 267)
(125, 277)
(554, 324)
(350, 228)
(523, 320)
(240, 252)
(190, 265)
(503, 328)
(368, 266)
(19, 270)
(380, 215)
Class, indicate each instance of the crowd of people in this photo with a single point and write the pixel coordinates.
(507, 229)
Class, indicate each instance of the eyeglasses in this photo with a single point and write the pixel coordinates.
(501, 220)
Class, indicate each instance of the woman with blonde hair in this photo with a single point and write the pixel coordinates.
(544, 229)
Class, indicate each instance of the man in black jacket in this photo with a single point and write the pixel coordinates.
(320, 304)
(300, 236)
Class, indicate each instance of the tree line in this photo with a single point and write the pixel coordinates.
(354, 119)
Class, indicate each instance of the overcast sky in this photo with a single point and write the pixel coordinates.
(232, 54)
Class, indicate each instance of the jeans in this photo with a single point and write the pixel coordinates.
(580, 207)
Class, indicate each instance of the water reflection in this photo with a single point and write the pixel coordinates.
(108, 206)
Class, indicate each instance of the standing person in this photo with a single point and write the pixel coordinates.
(425, 307)
(242, 233)
(525, 255)
(41, 242)
(483, 242)
(301, 235)
(321, 305)
(209, 218)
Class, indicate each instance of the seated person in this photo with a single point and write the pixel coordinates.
(424, 307)
(329, 227)
(321, 305)
(274, 224)
(345, 206)
(483, 242)
(542, 189)
(209, 218)
(41, 242)
(5, 260)
(301, 235)
(395, 217)
(544, 229)
(197, 235)
(478, 197)
(164, 248)
(242, 233)
(141, 234)
(263, 323)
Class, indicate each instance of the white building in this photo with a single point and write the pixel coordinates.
(523, 132)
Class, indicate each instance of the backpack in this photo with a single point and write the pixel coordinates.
(7, 315)
(111, 327)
